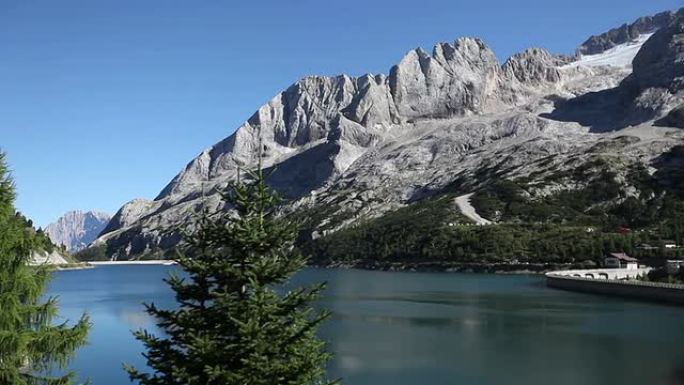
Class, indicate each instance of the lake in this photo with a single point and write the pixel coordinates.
(417, 328)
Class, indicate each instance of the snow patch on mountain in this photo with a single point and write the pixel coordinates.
(618, 56)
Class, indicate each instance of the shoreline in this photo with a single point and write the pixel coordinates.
(86, 266)
(420, 267)
(149, 262)
(454, 267)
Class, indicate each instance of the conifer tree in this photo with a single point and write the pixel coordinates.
(235, 324)
(31, 347)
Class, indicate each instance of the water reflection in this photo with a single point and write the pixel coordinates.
(136, 319)
(410, 328)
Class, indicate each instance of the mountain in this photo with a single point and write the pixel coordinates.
(625, 33)
(347, 151)
(77, 229)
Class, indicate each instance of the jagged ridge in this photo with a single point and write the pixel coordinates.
(366, 145)
(77, 229)
(625, 33)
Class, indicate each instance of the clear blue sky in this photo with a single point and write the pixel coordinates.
(102, 101)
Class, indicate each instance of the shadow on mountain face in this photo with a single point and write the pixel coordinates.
(602, 111)
(670, 167)
(657, 73)
(675, 118)
(303, 172)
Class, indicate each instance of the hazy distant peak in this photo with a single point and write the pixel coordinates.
(77, 229)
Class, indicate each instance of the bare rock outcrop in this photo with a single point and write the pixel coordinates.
(535, 66)
(77, 229)
(47, 258)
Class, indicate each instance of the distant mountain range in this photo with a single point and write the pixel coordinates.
(77, 229)
(346, 150)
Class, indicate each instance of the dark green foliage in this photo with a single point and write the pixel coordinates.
(235, 325)
(467, 243)
(507, 200)
(602, 202)
(661, 275)
(409, 233)
(497, 198)
(37, 238)
(308, 218)
(402, 234)
(567, 226)
(30, 347)
(93, 253)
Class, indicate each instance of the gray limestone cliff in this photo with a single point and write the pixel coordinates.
(77, 229)
(350, 148)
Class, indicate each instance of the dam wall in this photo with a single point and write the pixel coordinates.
(616, 282)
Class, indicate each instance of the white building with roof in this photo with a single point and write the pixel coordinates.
(620, 261)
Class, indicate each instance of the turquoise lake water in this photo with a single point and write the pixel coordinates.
(418, 328)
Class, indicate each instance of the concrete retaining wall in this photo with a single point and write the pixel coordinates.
(604, 273)
(649, 291)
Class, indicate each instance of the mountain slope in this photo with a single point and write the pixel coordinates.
(625, 33)
(77, 229)
(345, 150)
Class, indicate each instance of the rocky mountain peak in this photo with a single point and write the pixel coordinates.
(77, 229)
(465, 51)
(454, 81)
(625, 33)
(660, 62)
(128, 214)
(650, 91)
(534, 66)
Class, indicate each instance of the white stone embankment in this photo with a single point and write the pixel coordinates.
(45, 258)
(616, 282)
(151, 262)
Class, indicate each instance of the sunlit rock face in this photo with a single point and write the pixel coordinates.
(350, 148)
(77, 229)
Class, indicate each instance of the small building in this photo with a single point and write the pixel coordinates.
(620, 261)
(669, 244)
(673, 266)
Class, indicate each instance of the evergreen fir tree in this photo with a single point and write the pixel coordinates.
(235, 324)
(31, 348)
